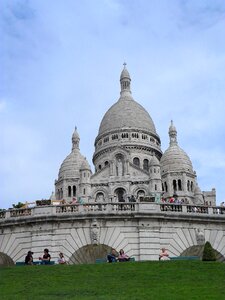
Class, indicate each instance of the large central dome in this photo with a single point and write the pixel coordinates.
(126, 112)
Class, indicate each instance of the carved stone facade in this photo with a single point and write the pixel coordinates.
(128, 151)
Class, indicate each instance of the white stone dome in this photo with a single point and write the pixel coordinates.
(85, 165)
(174, 158)
(154, 161)
(126, 113)
(73, 163)
(70, 167)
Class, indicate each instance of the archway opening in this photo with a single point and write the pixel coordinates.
(120, 194)
(89, 253)
(197, 250)
(5, 260)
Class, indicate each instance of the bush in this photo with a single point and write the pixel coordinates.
(18, 205)
(208, 253)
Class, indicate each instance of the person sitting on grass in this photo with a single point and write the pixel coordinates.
(112, 257)
(122, 256)
(61, 259)
(45, 259)
(164, 254)
(29, 258)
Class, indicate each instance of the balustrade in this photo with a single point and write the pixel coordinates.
(197, 209)
(20, 212)
(2, 214)
(109, 207)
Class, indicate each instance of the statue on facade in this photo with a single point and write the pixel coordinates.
(200, 237)
(94, 232)
(119, 167)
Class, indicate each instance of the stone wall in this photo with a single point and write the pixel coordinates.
(86, 232)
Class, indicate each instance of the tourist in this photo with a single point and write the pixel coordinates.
(74, 201)
(112, 257)
(29, 258)
(164, 254)
(61, 259)
(132, 199)
(122, 256)
(45, 259)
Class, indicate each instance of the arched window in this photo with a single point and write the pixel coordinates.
(84, 191)
(188, 185)
(192, 186)
(69, 191)
(140, 194)
(145, 164)
(100, 167)
(155, 187)
(99, 197)
(162, 187)
(179, 185)
(166, 188)
(61, 192)
(74, 190)
(174, 185)
(106, 163)
(136, 161)
(84, 174)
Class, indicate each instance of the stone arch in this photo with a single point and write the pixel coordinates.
(197, 250)
(120, 193)
(99, 196)
(89, 253)
(139, 188)
(5, 260)
(100, 190)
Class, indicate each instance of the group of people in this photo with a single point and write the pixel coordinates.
(45, 259)
(114, 256)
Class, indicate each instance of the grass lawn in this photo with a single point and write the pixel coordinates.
(133, 280)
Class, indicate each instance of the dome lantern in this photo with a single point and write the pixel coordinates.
(125, 81)
(173, 134)
(75, 139)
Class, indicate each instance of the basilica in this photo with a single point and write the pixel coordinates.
(129, 162)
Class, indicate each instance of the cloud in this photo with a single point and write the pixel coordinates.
(61, 62)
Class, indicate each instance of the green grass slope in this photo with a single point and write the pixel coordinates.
(138, 280)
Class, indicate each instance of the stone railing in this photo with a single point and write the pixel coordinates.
(114, 208)
(20, 212)
(2, 214)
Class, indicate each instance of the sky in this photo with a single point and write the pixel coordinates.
(60, 63)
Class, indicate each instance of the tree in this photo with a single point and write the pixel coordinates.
(208, 253)
(18, 205)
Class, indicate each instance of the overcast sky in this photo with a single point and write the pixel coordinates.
(60, 63)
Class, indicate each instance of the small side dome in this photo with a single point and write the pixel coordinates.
(85, 165)
(175, 158)
(154, 161)
(70, 168)
(197, 190)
